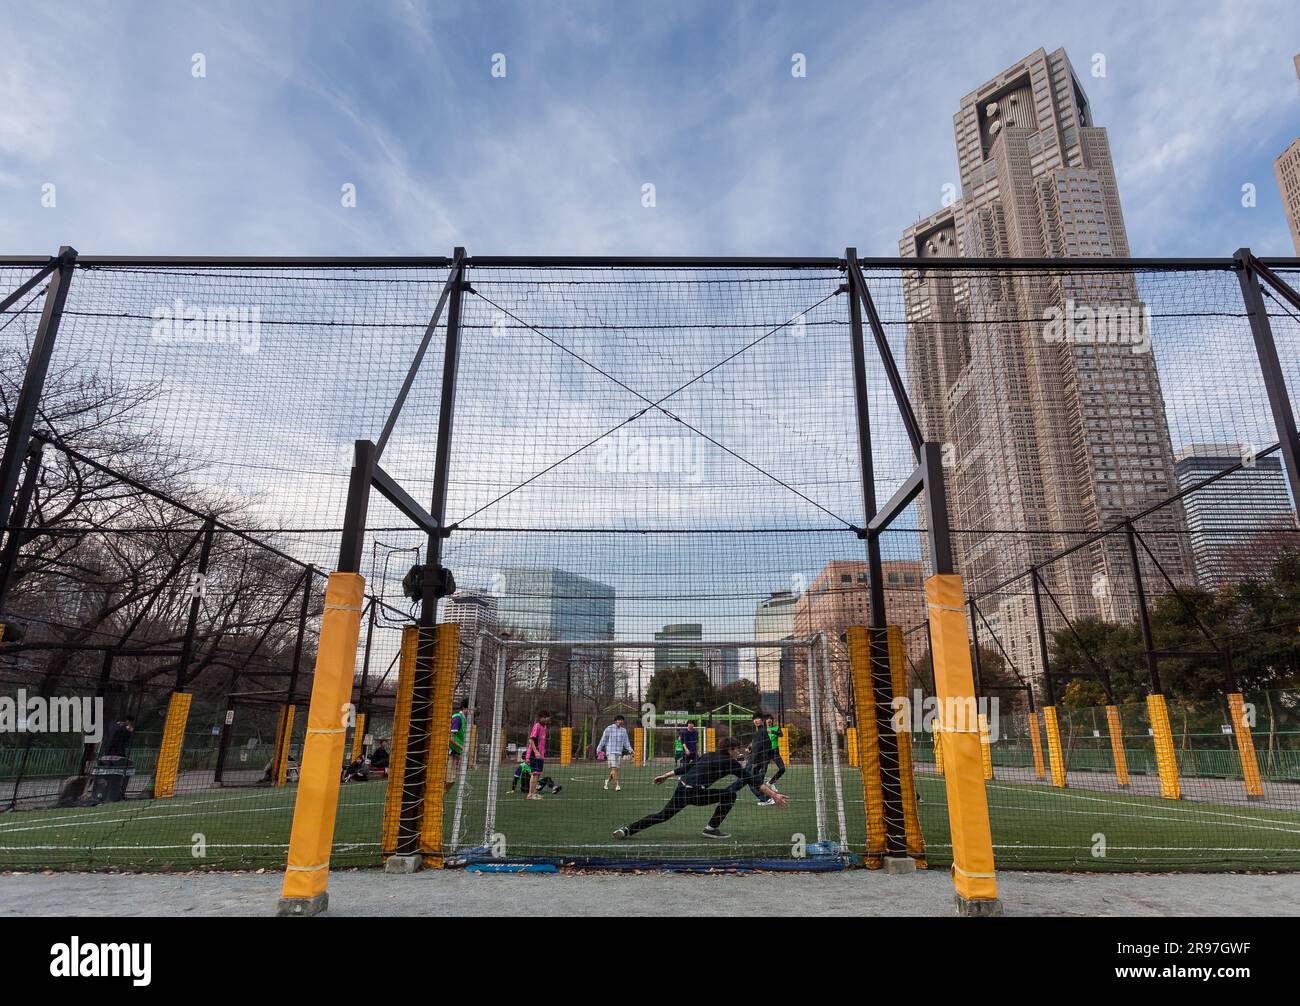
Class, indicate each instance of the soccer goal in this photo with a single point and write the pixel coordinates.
(562, 797)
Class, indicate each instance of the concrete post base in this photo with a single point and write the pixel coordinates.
(899, 866)
(982, 908)
(403, 864)
(292, 907)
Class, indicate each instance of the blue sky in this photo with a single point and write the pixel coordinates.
(600, 98)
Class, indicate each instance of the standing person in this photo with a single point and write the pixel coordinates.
(693, 790)
(615, 744)
(760, 756)
(537, 751)
(689, 738)
(456, 743)
(774, 741)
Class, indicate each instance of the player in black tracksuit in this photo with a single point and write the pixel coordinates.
(693, 790)
(760, 757)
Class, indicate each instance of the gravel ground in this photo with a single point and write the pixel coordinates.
(452, 892)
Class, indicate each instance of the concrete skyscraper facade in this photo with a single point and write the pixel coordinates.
(1048, 428)
(1287, 170)
(1229, 521)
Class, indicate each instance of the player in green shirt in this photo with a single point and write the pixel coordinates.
(774, 737)
(456, 743)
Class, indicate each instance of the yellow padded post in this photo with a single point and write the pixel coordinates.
(873, 796)
(1245, 745)
(173, 738)
(783, 743)
(284, 744)
(906, 771)
(851, 742)
(638, 745)
(306, 874)
(358, 736)
(710, 739)
(446, 643)
(968, 809)
(1166, 758)
(1036, 742)
(566, 745)
(1115, 728)
(1055, 753)
(986, 749)
(401, 732)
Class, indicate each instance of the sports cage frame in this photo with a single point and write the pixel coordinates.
(956, 625)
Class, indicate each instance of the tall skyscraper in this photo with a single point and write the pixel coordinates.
(1052, 426)
(838, 598)
(549, 603)
(1230, 520)
(1287, 170)
(676, 657)
(774, 619)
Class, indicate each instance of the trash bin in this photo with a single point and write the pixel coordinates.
(109, 778)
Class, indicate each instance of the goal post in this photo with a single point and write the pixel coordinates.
(588, 797)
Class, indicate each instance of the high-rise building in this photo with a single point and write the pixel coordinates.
(838, 598)
(1051, 426)
(774, 619)
(473, 611)
(1233, 522)
(1287, 170)
(554, 604)
(721, 664)
(677, 657)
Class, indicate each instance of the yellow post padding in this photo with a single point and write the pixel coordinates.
(1036, 743)
(851, 742)
(446, 643)
(1116, 729)
(986, 749)
(312, 836)
(937, 733)
(1166, 758)
(1245, 745)
(783, 743)
(710, 739)
(287, 714)
(1055, 753)
(401, 731)
(906, 776)
(638, 745)
(169, 754)
(566, 745)
(358, 736)
(873, 796)
(968, 809)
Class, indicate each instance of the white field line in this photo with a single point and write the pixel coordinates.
(1186, 809)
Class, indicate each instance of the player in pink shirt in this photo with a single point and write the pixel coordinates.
(537, 751)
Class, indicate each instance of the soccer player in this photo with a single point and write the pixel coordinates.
(693, 790)
(523, 776)
(760, 756)
(615, 744)
(537, 751)
(688, 741)
(456, 743)
(774, 740)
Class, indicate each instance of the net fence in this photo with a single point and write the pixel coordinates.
(667, 455)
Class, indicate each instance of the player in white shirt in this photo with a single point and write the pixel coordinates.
(614, 743)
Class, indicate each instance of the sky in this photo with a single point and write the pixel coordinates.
(297, 100)
(241, 128)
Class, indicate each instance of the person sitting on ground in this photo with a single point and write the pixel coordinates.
(379, 756)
